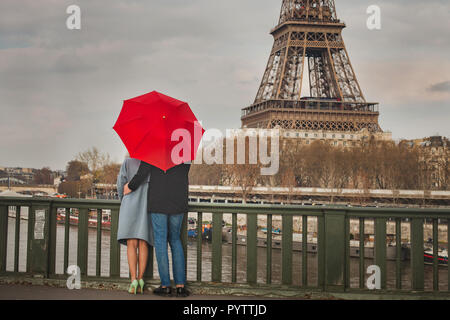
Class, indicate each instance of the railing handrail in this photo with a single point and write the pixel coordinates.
(65, 202)
(238, 207)
(387, 192)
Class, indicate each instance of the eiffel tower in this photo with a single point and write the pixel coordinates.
(309, 51)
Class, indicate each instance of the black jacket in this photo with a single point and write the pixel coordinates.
(168, 191)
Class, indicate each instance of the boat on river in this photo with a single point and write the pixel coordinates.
(92, 221)
(428, 256)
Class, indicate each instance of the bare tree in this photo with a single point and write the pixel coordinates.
(74, 189)
(108, 175)
(43, 176)
(95, 161)
(246, 175)
(288, 180)
(204, 174)
(76, 169)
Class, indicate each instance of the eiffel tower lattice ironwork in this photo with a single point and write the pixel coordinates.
(308, 46)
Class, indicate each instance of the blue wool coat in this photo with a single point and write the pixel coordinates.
(134, 220)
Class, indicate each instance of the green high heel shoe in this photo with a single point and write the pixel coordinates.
(141, 285)
(134, 286)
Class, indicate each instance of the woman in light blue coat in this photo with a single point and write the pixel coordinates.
(135, 227)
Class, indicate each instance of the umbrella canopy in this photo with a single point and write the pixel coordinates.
(159, 130)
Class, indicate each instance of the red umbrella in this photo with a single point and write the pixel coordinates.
(147, 125)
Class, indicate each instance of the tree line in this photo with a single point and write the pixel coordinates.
(369, 165)
(85, 171)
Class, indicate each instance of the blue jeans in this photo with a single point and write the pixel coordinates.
(167, 228)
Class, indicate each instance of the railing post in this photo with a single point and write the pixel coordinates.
(269, 250)
(114, 253)
(39, 217)
(286, 250)
(321, 251)
(347, 253)
(148, 274)
(184, 241)
(398, 255)
(82, 248)
(334, 249)
(305, 251)
(17, 240)
(98, 250)
(29, 236)
(216, 265)
(3, 236)
(380, 248)
(52, 240)
(252, 261)
(362, 238)
(199, 245)
(66, 238)
(417, 260)
(435, 255)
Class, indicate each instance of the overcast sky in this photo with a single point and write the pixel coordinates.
(61, 90)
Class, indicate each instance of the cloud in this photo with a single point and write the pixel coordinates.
(62, 89)
(440, 87)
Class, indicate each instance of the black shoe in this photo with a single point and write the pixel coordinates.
(165, 292)
(182, 292)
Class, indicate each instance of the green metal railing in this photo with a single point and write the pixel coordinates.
(332, 232)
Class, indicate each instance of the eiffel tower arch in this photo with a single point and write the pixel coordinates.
(309, 82)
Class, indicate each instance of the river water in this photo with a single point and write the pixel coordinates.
(206, 260)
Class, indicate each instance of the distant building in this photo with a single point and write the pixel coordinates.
(435, 156)
(57, 181)
(17, 174)
(26, 170)
(11, 181)
(334, 138)
(306, 137)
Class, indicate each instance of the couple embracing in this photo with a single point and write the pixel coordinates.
(153, 204)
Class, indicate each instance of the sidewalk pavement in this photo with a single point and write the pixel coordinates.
(37, 292)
